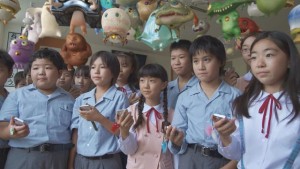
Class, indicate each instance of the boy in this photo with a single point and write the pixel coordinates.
(6, 68)
(19, 80)
(191, 132)
(66, 82)
(43, 140)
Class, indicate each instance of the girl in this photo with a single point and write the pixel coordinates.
(143, 143)
(82, 78)
(268, 112)
(97, 145)
(230, 76)
(127, 79)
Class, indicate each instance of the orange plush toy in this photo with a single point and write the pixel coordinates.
(75, 50)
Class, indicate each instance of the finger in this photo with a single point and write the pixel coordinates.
(173, 134)
(12, 121)
(178, 138)
(168, 131)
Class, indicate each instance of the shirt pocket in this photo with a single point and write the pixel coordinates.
(65, 114)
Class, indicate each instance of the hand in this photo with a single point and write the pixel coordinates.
(133, 98)
(225, 128)
(125, 120)
(17, 131)
(90, 115)
(230, 77)
(174, 135)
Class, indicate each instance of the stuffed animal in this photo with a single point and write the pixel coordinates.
(50, 27)
(36, 28)
(75, 50)
(8, 10)
(20, 50)
(294, 22)
(145, 8)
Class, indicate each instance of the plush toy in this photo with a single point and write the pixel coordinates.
(268, 7)
(50, 27)
(247, 26)
(75, 13)
(8, 10)
(253, 10)
(75, 50)
(289, 3)
(115, 23)
(20, 50)
(294, 22)
(126, 3)
(35, 30)
(201, 28)
(106, 4)
(145, 8)
(155, 36)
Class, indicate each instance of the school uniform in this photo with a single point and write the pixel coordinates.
(144, 145)
(49, 119)
(267, 150)
(98, 149)
(193, 116)
(173, 90)
(4, 148)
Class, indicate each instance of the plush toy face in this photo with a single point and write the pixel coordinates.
(20, 50)
(75, 42)
(247, 25)
(8, 9)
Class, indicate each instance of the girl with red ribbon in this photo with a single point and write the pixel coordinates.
(268, 133)
(144, 141)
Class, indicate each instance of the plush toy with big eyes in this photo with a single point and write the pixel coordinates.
(75, 50)
(20, 50)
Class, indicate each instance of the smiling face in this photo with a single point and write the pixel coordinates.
(269, 64)
(206, 67)
(180, 62)
(101, 74)
(44, 75)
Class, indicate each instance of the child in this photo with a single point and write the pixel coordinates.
(27, 74)
(97, 143)
(230, 76)
(190, 134)
(19, 79)
(82, 78)
(43, 140)
(6, 68)
(143, 144)
(127, 79)
(181, 64)
(66, 82)
(268, 136)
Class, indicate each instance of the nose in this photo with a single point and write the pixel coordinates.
(201, 65)
(260, 62)
(177, 61)
(41, 71)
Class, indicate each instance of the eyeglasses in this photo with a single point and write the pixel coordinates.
(246, 51)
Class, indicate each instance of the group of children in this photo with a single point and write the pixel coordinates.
(84, 122)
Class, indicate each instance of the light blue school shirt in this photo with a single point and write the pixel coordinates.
(3, 143)
(194, 110)
(173, 90)
(97, 143)
(48, 117)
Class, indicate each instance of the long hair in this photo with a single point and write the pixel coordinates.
(291, 85)
(157, 71)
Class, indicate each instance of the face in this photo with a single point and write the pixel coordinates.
(74, 42)
(246, 49)
(180, 62)
(125, 69)
(44, 75)
(206, 67)
(28, 79)
(83, 83)
(22, 83)
(269, 64)
(151, 87)
(101, 74)
(4, 74)
(65, 80)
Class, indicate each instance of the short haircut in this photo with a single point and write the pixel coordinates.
(211, 45)
(6, 60)
(110, 60)
(50, 54)
(18, 77)
(181, 44)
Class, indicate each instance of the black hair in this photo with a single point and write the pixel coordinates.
(157, 71)
(6, 60)
(19, 76)
(253, 34)
(181, 44)
(211, 45)
(83, 70)
(27, 70)
(51, 55)
(132, 79)
(291, 85)
(110, 60)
